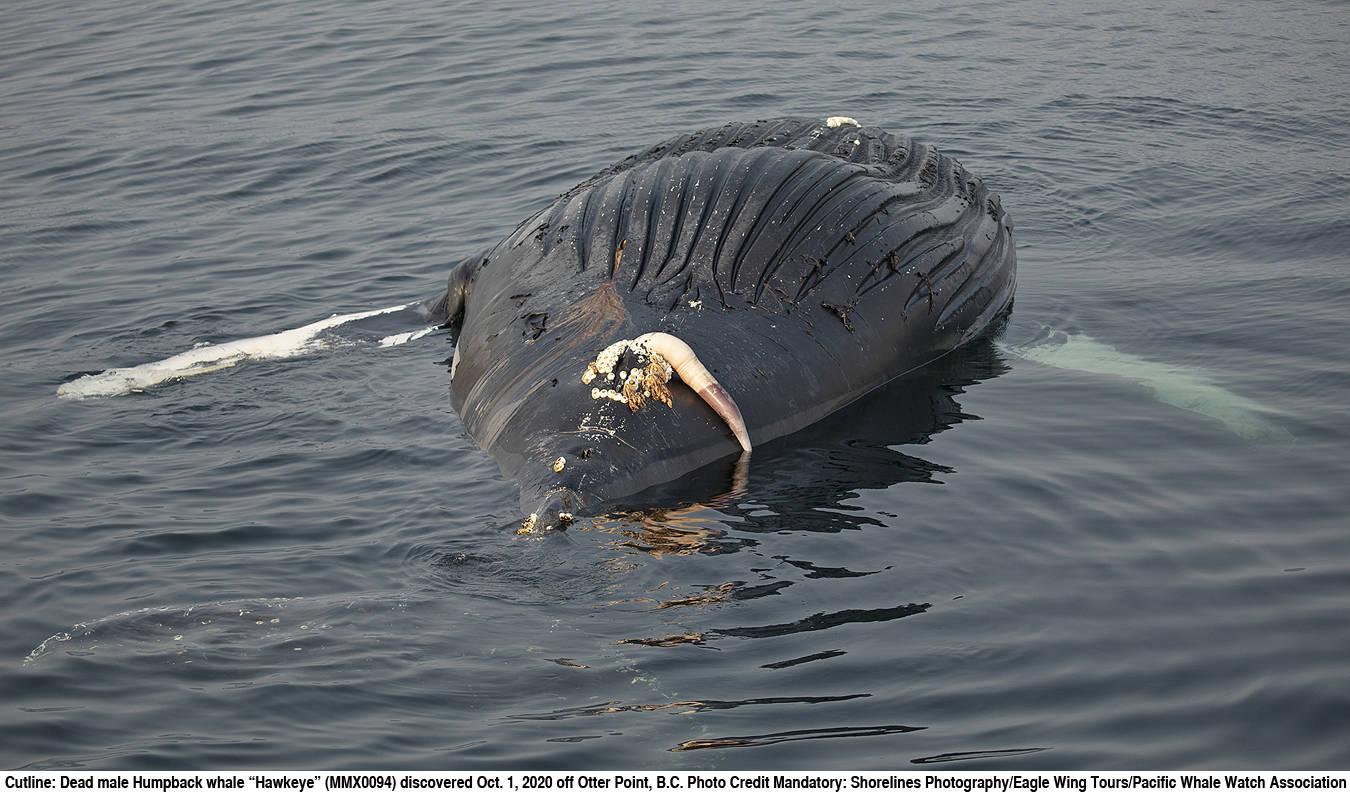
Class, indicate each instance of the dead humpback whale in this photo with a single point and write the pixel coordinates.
(711, 292)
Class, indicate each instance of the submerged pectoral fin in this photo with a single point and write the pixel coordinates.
(1184, 388)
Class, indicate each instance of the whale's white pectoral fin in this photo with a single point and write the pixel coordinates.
(1184, 388)
(207, 358)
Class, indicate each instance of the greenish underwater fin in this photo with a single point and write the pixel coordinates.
(1183, 387)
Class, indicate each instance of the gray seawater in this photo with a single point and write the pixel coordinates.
(1002, 562)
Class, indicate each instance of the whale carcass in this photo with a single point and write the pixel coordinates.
(712, 292)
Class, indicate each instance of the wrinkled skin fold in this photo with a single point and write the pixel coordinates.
(804, 265)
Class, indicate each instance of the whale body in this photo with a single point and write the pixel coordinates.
(800, 263)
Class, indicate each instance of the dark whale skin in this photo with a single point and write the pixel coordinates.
(805, 264)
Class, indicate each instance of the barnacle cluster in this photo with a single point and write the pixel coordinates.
(646, 377)
(531, 523)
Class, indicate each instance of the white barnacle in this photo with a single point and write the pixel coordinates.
(559, 464)
(610, 394)
(839, 121)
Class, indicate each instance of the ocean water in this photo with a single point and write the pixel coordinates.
(1115, 535)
